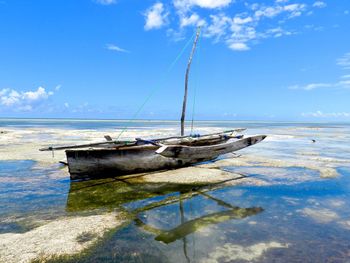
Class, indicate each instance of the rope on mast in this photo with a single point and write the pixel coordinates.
(171, 66)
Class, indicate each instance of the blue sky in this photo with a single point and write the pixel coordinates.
(256, 60)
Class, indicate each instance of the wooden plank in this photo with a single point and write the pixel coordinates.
(197, 152)
(96, 144)
(208, 134)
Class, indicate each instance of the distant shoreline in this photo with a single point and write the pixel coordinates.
(168, 120)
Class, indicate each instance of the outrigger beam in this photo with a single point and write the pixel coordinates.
(112, 143)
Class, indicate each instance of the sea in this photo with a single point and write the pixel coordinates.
(290, 205)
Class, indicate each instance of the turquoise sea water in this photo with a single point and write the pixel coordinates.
(308, 219)
(105, 124)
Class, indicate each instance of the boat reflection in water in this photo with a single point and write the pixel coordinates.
(138, 198)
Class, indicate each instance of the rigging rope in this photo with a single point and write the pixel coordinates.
(171, 66)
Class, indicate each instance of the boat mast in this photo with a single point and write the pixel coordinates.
(186, 82)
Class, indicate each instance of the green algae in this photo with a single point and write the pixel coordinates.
(113, 193)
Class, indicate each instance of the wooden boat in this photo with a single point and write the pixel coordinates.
(87, 163)
(113, 157)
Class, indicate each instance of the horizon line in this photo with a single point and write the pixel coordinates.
(167, 120)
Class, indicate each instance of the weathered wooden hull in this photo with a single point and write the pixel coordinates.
(97, 163)
(188, 151)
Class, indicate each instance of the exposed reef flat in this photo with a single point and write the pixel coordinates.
(65, 236)
(44, 216)
(282, 148)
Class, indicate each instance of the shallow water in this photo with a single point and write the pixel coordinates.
(200, 221)
(281, 213)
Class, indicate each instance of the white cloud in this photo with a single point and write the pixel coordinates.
(313, 27)
(240, 31)
(192, 20)
(240, 21)
(236, 31)
(277, 32)
(311, 86)
(39, 94)
(343, 81)
(293, 10)
(243, 29)
(344, 84)
(3, 92)
(344, 61)
(210, 4)
(23, 101)
(240, 37)
(239, 46)
(269, 11)
(156, 17)
(106, 2)
(320, 114)
(116, 48)
(9, 97)
(319, 4)
(218, 26)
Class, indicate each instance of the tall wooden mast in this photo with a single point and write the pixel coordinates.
(186, 82)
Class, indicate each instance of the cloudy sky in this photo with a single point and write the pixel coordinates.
(256, 60)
